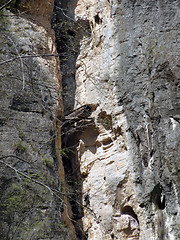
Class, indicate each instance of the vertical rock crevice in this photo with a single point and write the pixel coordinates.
(69, 33)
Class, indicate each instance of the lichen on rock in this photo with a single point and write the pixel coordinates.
(30, 101)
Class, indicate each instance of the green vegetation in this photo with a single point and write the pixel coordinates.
(21, 133)
(48, 161)
(65, 151)
(24, 207)
(20, 147)
(37, 175)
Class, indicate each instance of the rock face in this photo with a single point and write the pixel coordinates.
(30, 102)
(125, 154)
(119, 177)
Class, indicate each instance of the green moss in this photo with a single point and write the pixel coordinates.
(38, 176)
(14, 196)
(20, 147)
(49, 162)
(27, 208)
(15, 201)
(21, 133)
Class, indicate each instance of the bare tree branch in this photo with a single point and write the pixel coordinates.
(21, 62)
(13, 156)
(71, 19)
(3, 6)
(29, 56)
(32, 179)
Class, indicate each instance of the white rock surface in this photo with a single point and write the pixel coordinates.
(128, 68)
(122, 59)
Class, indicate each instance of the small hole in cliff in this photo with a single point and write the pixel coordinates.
(51, 132)
(107, 141)
(104, 178)
(86, 199)
(129, 211)
(142, 205)
(71, 33)
(105, 120)
(151, 153)
(45, 98)
(118, 131)
(84, 175)
(157, 197)
(97, 19)
(112, 235)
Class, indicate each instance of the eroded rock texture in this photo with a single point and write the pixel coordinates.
(119, 178)
(30, 102)
(125, 153)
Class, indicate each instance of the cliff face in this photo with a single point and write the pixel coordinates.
(30, 101)
(124, 135)
(119, 173)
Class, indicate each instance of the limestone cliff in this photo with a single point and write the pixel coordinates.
(120, 60)
(119, 174)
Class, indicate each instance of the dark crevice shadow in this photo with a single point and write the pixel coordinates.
(129, 211)
(157, 197)
(75, 125)
(69, 33)
(68, 48)
(73, 179)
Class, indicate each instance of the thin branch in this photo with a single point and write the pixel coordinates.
(24, 175)
(21, 62)
(3, 6)
(29, 56)
(13, 156)
(71, 19)
(52, 191)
